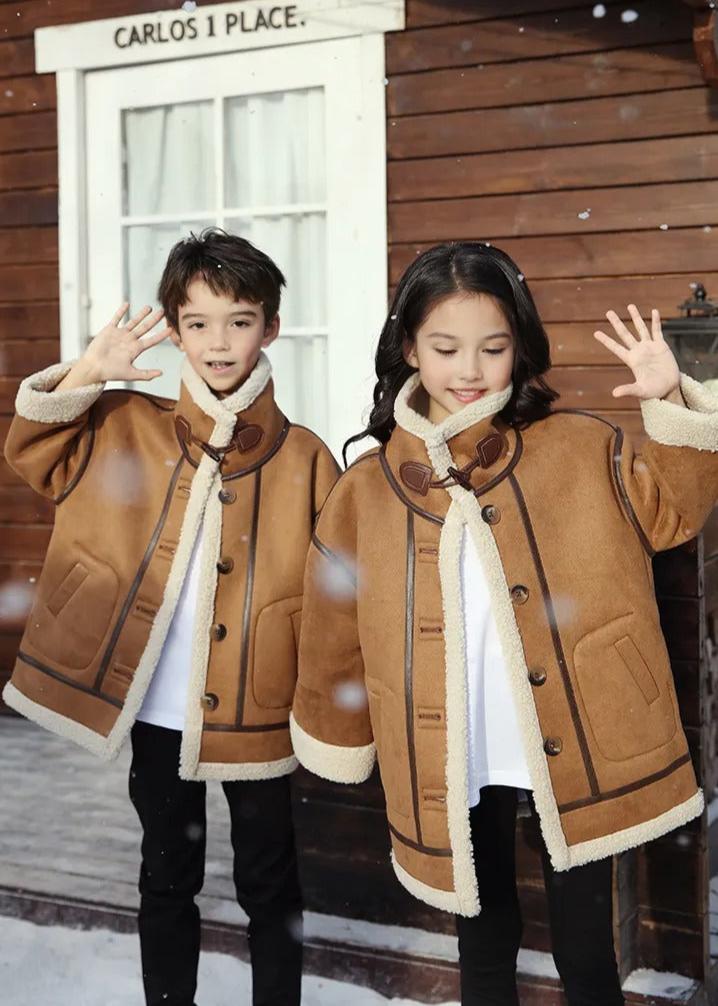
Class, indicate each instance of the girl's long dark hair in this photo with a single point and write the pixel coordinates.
(472, 267)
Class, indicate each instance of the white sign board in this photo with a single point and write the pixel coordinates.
(197, 29)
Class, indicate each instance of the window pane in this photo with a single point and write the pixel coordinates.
(169, 159)
(299, 368)
(298, 246)
(274, 149)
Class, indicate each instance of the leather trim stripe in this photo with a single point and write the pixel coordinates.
(328, 554)
(556, 638)
(507, 470)
(400, 493)
(235, 728)
(65, 679)
(426, 849)
(265, 457)
(625, 500)
(613, 794)
(119, 624)
(409, 667)
(85, 462)
(249, 590)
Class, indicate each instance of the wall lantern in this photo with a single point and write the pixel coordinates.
(694, 336)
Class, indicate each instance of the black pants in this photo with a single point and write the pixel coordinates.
(580, 911)
(172, 814)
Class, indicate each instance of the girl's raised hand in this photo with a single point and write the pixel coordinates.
(111, 355)
(647, 354)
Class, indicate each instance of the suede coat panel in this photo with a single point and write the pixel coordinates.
(565, 516)
(134, 478)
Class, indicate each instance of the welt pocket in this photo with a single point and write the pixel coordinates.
(69, 586)
(629, 654)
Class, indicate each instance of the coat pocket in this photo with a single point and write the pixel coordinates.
(73, 611)
(630, 707)
(387, 724)
(276, 641)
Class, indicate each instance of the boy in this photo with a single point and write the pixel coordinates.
(170, 599)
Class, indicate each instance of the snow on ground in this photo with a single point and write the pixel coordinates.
(70, 967)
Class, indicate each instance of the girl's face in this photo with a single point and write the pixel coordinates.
(463, 350)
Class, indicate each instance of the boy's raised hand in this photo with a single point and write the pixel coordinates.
(647, 354)
(111, 355)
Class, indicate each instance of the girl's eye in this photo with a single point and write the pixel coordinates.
(495, 352)
(446, 352)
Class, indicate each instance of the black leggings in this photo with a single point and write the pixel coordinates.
(580, 912)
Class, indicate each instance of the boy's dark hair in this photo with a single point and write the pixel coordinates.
(228, 264)
(472, 267)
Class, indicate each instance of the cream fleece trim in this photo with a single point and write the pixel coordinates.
(224, 410)
(676, 426)
(457, 731)
(204, 616)
(37, 401)
(628, 838)
(56, 723)
(332, 761)
(244, 771)
(445, 900)
(413, 422)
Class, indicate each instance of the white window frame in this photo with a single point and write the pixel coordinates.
(362, 218)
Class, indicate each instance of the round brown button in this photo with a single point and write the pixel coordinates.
(219, 632)
(519, 594)
(553, 745)
(227, 496)
(537, 676)
(491, 514)
(209, 701)
(225, 565)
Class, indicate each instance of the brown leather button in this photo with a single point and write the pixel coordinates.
(219, 632)
(225, 565)
(519, 594)
(227, 496)
(209, 702)
(553, 745)
(537, 676)
(491, 514)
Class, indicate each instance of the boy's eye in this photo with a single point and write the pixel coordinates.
(241, 324)
(196, 324)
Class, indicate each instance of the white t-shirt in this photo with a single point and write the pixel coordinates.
(165, 703)
(495, 748)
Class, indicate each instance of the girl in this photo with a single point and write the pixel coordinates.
(479, 613)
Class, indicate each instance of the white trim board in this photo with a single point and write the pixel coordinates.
(202, 30)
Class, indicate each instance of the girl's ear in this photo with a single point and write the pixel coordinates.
(408, 351)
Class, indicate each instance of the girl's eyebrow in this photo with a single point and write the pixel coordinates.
(453, 338)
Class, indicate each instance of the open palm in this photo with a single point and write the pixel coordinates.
(112, 353)
(647, 354)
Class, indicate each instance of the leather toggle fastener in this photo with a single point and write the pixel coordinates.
(418, 477)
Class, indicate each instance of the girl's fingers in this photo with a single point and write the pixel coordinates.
(641, 327)
(119, 314)
(621, 330)
(656, 327)
(626, 389)
(611, 345)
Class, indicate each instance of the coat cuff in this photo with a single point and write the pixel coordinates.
(675, 426)
(37, 401)
(332, 761)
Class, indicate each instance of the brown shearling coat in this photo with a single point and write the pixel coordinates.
(565, 516)
(134, 478)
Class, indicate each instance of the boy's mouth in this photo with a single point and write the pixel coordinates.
(219, 366)
(467, 395)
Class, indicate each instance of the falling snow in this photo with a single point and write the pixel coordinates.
(599, 10)
(584, 214)
(629, 16)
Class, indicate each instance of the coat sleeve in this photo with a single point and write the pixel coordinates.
(51, 436)
(330, 725)
(669, 488)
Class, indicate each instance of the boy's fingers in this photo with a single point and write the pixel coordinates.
(139, 317)
(152, 340)
(147, 324)
(144, 375)
(119, 314)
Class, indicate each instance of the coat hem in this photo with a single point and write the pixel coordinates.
(240, 771)
(332, 761)
(58, 724)
(447, 901)
(638, 834)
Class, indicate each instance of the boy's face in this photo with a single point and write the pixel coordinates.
(222, 338)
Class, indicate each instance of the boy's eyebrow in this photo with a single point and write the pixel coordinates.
(250, 312)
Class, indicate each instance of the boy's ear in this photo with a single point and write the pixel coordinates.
(408, 351)
(174, 336)
(271, 331)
